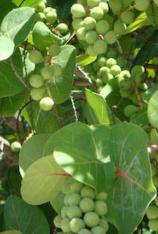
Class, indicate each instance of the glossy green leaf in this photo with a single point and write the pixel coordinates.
(145, 54)
(18, 23)
(141, 21)
(30, 3)
(153, 110)
(43, 181)
(152, 14)
(8, 80)
(61, 86)
(32, 150)
(6, 47)
(24, 217)
(133, 189)
(84, 60)
(99, 111)
(5, 8)
(42, 36)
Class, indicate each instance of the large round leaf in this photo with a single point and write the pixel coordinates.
(24, 217)
(6, 47)
(153, 110)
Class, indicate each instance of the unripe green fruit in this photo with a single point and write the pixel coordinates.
(91, 37)
(54, 50)
(125, 74)
(78, 10)
(62, 28)
(51, 17)
(97, 13)
(100, 47)
(102, 27)
(64, 212)
(101, 61)
(115, 70)
(90, 51)
(57, 70)
(82, 2)
(47, 73)
(111, 62)
(103, 223)
(76, 225)
(130, 110)
(36, 81)
(104, 73)
(127, 17)
(99, 83)
(57, 221)
(46, 103)
(137, 70)
(89, 23)
(101, 196)
(81, 33)
(74, 212)
(98, 230)
(86, 205)
(65, 225)
(87, 192)
(110, 37)
(101, 208)
(15, 146)
(37, 94)
(73, 199)
(142, 5)
(40, 6)
(119, 27)
(91, 219)
(36, 57)
(93, 3)
(41, 16)
(77, 23)
(84, 231)
(153, 224)
(116, 6)
(152, 212)
(48, 9)
(104, 6)
(76, 187)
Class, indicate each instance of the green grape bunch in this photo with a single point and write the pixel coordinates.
(41, 79)
(84, 211)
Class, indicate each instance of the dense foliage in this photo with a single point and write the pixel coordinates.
(78, 116)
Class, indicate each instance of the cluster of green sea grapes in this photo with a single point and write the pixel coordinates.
(92, 25)
(83, 212)
(49, 16)
(42, 78)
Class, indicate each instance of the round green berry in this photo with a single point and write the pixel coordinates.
(36, 57)
(77, 23)
(153, 224)
(73, 199)
(89, 23)
(130, 110)
(98, 230)
(81, 33)
(91, 219)
(127, 17)
(57, 221)
(15, 146)
(84, 231)
(110, 62)
(65, 225)
(46, 103)
(91, 37)
(74, 212)
(90, 51)
(86, 205)
(57, 70)
(104, 6)
(142, 5)
(101, 208)
(51, 16)
(101, 61)
(100, 47)
(93, 3)
(115, 70)
(40, 6)
(137, 70)
(152, 212)
(88, 192)
(102, 27)
(78, 10)
(41, 16)
(37, 94)
(119, 27)
(64, 212)
(36, 81)
(97, 13)
(62, 28)
(76, 225)
(47, 73)
(110, 37)
(101, 196)
(103, 223)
